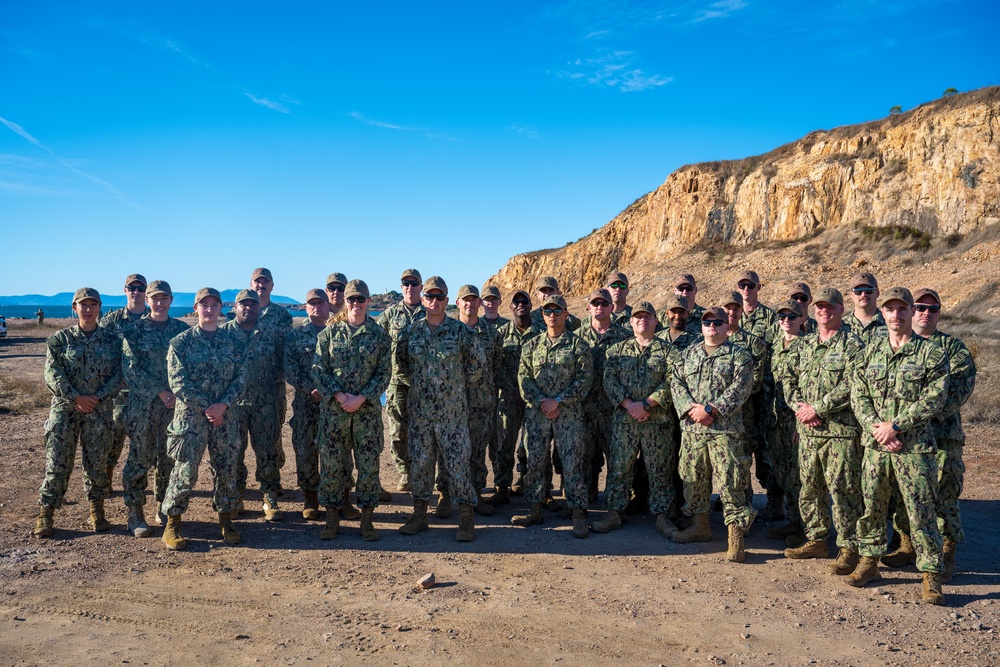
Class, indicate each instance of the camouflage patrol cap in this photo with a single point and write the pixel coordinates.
(412, 273)
(644, 307)
(555, 300)
(315, 294)
(468, 290)
(336, 277)
(547, 282)
(435, 282)
(829, 295)
(491, 291)
(792, 305)
(799, 288)
(206, 292)
(520, 292)
(616, 277)
(358, 287)
(733, 297)
(685, 279)
(926, 291)
(86, 293)
(677, 302)
(600, 293)
(159, 287)
(245, 294)
(261, 272)
(895, 294)
(715, 312)
(135, 278)
(748, 275)
(864, 279)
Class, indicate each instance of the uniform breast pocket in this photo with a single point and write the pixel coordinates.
(911, 381)
(148, 345)
(563, 358)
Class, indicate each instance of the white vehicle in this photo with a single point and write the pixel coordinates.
(3, 327)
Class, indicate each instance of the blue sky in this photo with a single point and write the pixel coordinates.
(195, 141)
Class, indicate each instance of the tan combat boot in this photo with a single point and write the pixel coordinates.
(531, 519)
(864, 573)
(347, 510)
(904, 555)
(417, 521)
(43, 525)
(664, 526)
(613, 521)
(811, 549)
(699, 531)
(737, 551)
(332, 523)
(580, 522)
(368, 532)
(932, 589)
(137, 522)
(466, 523)
(271, 510)
(484, 508)
(949, 561)
(172, 533)
(229, 534)
(443, 508)
(404, 483)
(500, 497)
(846, 561)
(97, 518)
(310, 505)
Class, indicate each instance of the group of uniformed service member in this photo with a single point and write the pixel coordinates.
(859, 411)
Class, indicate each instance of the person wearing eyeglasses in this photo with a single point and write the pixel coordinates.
(710, 384)
(118, 321)
(618, 287)
(83, 372)
(545, 287)
(351, 368)
(949, 436)
(394, 320)
(800, 293)
(491, 307)
(866, 321)
(896, 392)
(441, 361)
(555, 374)
(335, 284)
(685, 286)
(207, 377)
(818, 389)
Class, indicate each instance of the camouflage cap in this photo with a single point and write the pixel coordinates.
(644, 307)
(555, 300)
(685, 279)
(748, 275)
(716, 313)
(547, 282)
(616, 277)
(358, 287)
(491, 291)
(86, 293)
(411, 273)
(245, 294)
(206, 292)
(468, 290)
(518, 293)
(600, 293)
(159, 287)
(864, 279)
(799, 288)
(135, 278)
(895, 294)
(829, 295)
(677, 302)
(315, 294)
(792, 305)
(926, 291)
(336, 277)
(435, 282)
(261, 272)
(733, 297)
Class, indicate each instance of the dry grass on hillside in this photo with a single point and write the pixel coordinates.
(22, 395)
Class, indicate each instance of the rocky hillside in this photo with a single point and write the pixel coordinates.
(929, 178)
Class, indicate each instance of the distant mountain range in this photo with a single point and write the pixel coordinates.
(119, 300)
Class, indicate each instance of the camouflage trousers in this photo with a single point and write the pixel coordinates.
(147, 448)
(704, 456)
(186, 445)
(431, 437)
(759, 420)
(567, 431)
(830, 469)
(656, 442)
(951, 481)
(482, 421)
(117, 445)
(916, 475)
(598, 414)
(63, 429)
(305, 431)
(396, 415)
(783, 445)
(342, 434)
(260, 427)
(510, 418)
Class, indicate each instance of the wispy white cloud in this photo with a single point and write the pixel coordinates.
(614, 69)
(529, 131)
(430, 134)
(270, 104)
(719, 10)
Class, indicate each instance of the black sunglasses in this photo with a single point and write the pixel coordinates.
(802, 298)
(356, 299)
(863, 290)
(521, 302)
(599, 304)
(436, 297)
(135, 288)
(924, 308)
(747, 285)
(683, 288)
(334, 287)
(787, 316)
(411, 283)
(712, 323)
(552, 311)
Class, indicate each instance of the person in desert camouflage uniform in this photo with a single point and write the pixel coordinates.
(83, 372)
(150, 406)
(866, 320)
(897, 390)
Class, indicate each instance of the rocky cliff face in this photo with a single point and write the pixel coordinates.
(934, 168)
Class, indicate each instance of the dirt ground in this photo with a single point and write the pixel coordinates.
(513, 596)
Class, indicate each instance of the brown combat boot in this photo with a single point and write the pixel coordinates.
(43, 525)
(811, 549)
(404, 483)
(699, 531)
(846, 561)
(932, 589)
(864, 573)
(172, 533)
(613, 521)
(517, 488)
(531, 519)
(229, 534)
(949, 560)
(443, 508)
(97, 518)
(485, 508)
(664, 526)
(368, 532)
(271, 510)
(466, 523)
(903, 556)
(580, 522)
(417, 521)
(500, 497)
(332, 523)
(310, 505)
(737, 551)
(347, 510)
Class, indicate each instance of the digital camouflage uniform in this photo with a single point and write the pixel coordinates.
(783, 442)
(762, 323)
(493, 443)
(483, 402)
(693, 325)
(622, 319)
(118, 321)
(259, 412)
(511, 405)
(909, 388)
(496, 323)
(564, 370)
(829, 454)
(354, 362)
(77, 365)
(638, 373)
(144, 367)
(755, 425)
(440, 367)
(874, 329)
(278, 316)
(394, 320)
(300, 348)
(202, 371)
(597, 407)
(724, 380)
(681, 343)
